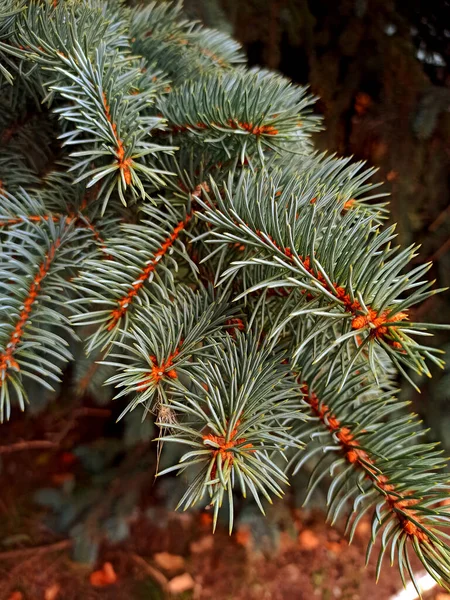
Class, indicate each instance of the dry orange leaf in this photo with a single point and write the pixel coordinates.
(169, 562)
(204, 544)
(16, 596)
(104, 576)
(308, 540)
(243, 536)
(180, 584)
(335, 547)
(51, 593)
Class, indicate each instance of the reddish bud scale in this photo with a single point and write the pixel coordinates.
(236, 324)
(254, 129)
(219, 61)
(7, 360)
(356, 456)
(224, 448)
(159, 371)
(349, 204)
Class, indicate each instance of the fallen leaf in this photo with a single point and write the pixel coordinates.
(51, 593)
(243, 536)
(363, 529)
(180, 584)
(16, 596)
(169, 562)
(204, 544)
(308, 540)
(104, 576)
(335, 547)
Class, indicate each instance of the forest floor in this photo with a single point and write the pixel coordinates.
(173, 555)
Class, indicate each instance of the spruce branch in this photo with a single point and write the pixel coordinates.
(162, 344)
(380, 464)
(234, 420)
(294, 354)
(342, 262)
(149, 247)
(177, 46)
(240, 112)
(121, 131)
(31, 284)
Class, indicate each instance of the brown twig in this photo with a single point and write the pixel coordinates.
(27, 445)
(84, 411)
(151, 571)
(439, 219)
(441, 251)
(22, 552)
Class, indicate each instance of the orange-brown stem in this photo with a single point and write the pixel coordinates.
(233, 123)
(122, 162)
(127, 299)
(32, 218)
(7, 360)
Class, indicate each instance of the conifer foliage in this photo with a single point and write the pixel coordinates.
(163, 205)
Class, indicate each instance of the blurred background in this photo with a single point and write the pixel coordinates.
(79, 488)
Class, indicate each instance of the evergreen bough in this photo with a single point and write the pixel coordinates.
(163, 204)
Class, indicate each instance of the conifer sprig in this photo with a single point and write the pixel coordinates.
(32, 341)
(235, 420)
(143, 252)
(150, 360)
(240, 112)
(378, 463)
(222, 275)
(342, 262)
(179, 47)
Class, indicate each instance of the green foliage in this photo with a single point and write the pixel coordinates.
(165, 205)
(246, 399)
